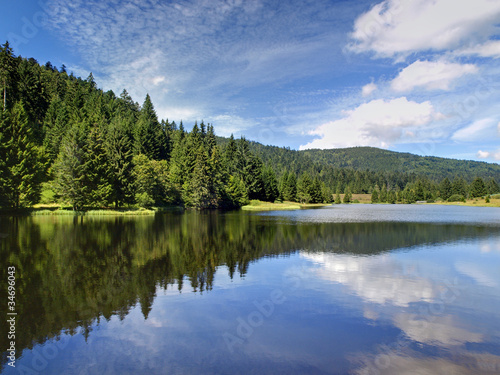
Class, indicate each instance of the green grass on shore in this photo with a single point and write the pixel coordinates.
(104, 212)
(256, 205)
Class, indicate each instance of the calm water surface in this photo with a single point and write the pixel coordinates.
(348, 289)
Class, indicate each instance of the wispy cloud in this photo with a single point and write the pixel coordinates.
(196, 54)
(480, 129)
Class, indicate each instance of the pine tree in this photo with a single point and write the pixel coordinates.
(55, 126)
(270, 184)
(119, 155)
(316, 191)
(7, 72)
(237, 192)
(375, 198)
(459, 187)
(151, 139)
(445, 189)
(199, 193)
(24, 165)
(347, 195)
(391, 197)
(493, 187)
(383, 194)
(290, 187)
(69, 169)
(337, 198)
(178, 168)
(477, 188)
(151, 180)
(97, 170)
(230, 155)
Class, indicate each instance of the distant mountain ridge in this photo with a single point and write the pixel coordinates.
(380, 160)
(374, 159)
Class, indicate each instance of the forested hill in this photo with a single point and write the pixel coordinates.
(379, 160)
(375, 160)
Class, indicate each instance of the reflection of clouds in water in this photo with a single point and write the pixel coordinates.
(380, 279)
(440, 330)
(412, 364)
(419, 303)
(488, 247)
(480, 274)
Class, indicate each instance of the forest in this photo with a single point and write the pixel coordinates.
(64, 140)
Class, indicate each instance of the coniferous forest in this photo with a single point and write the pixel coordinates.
(62, 139)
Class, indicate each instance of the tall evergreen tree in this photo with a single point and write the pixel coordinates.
(493, 187)
(119, 154)
(97, 170)
(459, 187)
(316, 192)
(270, 184)
(150, 136)
(347, 195)
(477, 188)
(304, 188)
(69, 168)
(445, 189)
(7, 71)
(23, 160)
(178, 168)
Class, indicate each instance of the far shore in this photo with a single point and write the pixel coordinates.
(255, 205)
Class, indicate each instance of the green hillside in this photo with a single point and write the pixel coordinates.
(378, 160)
(372, 159)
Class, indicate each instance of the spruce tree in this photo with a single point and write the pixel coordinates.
(23, 164)
(7, 73)
(459, 187)
(477, 188)
(493, 187)
(270, 184)
(97, 170)
(119, 153)
(445, 189)
(150, 136)
(383, 194)
(69, 169)
(347, 195)
(337, 198)
(178, 161)
(316, 191)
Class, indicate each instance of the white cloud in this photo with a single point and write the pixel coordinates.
(474, 131)
(495, 155)
(488, 49)
(377, 123)
(368, 89)
(395, 27)
(430, 75)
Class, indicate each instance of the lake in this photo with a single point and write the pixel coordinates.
(345, 289)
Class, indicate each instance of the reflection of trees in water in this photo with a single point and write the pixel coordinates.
(74, 271)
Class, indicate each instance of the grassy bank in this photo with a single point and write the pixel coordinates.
(477, 202)
(62, 210)
(256, 205)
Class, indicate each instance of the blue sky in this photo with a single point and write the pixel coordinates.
(420, 76)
